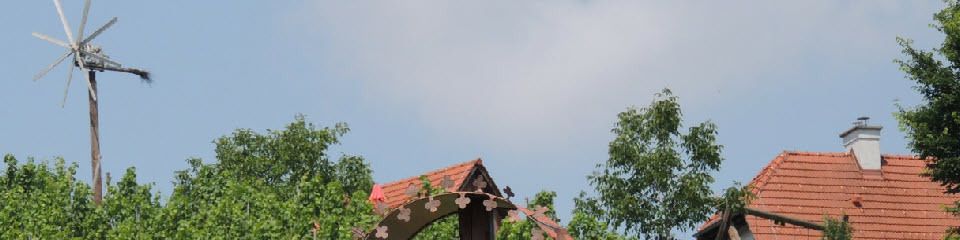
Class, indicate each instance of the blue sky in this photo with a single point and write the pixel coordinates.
(532, 87)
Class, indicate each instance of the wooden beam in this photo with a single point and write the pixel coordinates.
(724, 222)
(95, 141)
(782, 218)
(733, 233)
(144, 75)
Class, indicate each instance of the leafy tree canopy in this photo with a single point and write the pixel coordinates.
(40, 202)
(586, 223)
(262, 186)
(933, 127)
(834, 229)
(657, 178)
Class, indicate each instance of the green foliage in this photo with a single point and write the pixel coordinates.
(657, 178)
(834, 229)
(43, 203)
(735, 198)
(261, 186)
(272, 186)
(131, 208)
(354, 174)
(934, 126)
(952, 233)
(586, 223)
(444, 228)
(279, 157)
(38, 202)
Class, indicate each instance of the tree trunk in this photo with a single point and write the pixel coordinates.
(95, 142)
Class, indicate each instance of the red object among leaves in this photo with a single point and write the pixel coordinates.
(896, 203)
(376, 195)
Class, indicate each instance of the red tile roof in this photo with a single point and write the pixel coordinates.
(458, 173)
(898, 204)
(551, 228)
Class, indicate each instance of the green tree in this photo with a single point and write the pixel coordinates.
(48, 203)
(262, 186)
(354, 174)
(40, 202)
(586, 223)
(834, 229)
(657, 178)
(131, 208)
(933, 127)
(270, 186)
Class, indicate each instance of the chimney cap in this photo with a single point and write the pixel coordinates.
(861, 123)
(854, 128)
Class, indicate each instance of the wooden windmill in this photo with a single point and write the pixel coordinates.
(89, 58)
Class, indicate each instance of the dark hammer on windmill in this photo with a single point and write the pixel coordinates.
(89, 58)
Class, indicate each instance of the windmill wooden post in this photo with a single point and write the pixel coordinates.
(89, 58)
(95, 139)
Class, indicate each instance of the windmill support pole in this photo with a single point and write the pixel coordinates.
(95, 141)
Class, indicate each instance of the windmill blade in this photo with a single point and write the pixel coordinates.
(53, 40)
(35, 78)
(83, 21)
(99, 31)
(63, 19)
(98, 57)
(63, 103)
(93, 94)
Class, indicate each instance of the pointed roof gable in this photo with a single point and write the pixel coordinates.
(462, 174)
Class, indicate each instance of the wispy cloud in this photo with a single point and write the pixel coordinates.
(506, 68)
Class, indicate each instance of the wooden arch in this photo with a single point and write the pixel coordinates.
(476, 222)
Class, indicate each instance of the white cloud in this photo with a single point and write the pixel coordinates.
(513, 68)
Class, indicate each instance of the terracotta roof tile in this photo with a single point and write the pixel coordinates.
(553, 229)
(808, 185)
(458, 173)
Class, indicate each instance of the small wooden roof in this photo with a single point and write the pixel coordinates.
(462, 175)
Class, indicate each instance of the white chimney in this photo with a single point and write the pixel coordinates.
(864, 141)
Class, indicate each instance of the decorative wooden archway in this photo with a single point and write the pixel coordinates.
(469, 192)
(480, 215)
